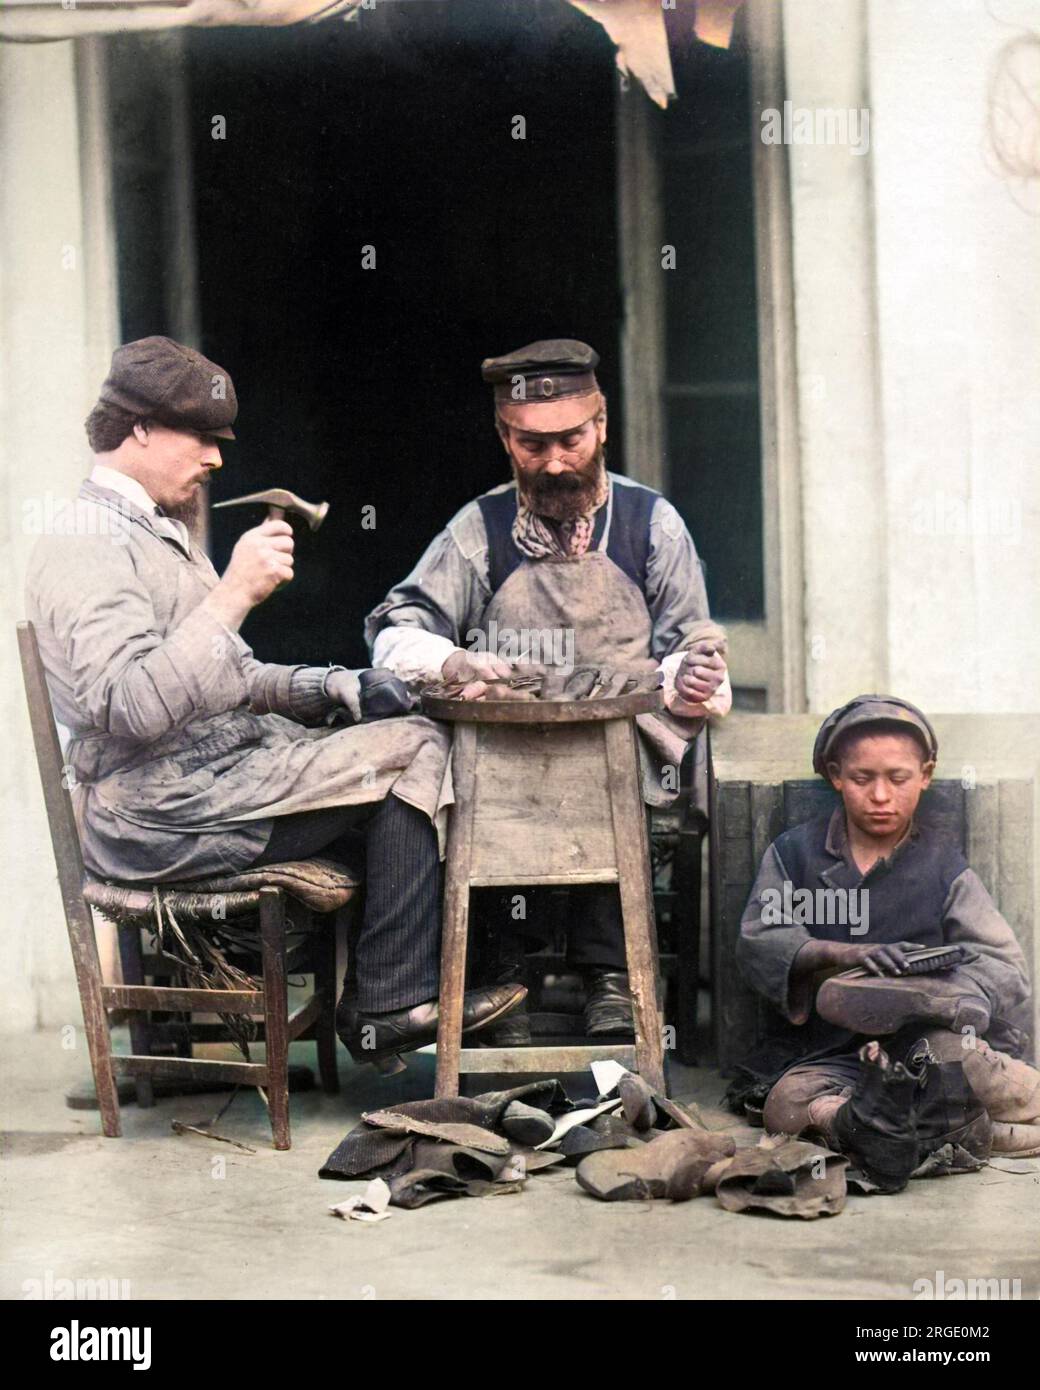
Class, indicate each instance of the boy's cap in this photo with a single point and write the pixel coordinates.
(173, 384)
(872, 709)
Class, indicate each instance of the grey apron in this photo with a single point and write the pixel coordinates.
(592, 597)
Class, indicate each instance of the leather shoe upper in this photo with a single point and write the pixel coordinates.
(370, 1036)
(608, 1003)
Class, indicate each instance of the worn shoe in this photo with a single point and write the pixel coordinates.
(1007, 1087)
(608, 1004)
(954, 1132)
(1016, 1140)
(878, 1004)
(527, 1124)
(877, 1125)
(370, 1037)
(671, 1166)
(788, 1177)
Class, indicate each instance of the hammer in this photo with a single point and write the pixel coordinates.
(280, 500)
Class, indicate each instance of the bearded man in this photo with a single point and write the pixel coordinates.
(603, 564)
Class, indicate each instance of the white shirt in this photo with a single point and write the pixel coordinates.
(134, 492)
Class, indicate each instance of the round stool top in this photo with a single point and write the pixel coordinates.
(542, 711)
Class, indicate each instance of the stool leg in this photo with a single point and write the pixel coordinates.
(276, 1011)
(140, 1027)
(325, 984)
(455, 928)
(632, 848)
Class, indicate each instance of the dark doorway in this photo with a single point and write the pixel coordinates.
(362, 386)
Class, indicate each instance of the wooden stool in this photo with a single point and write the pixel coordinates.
(548, 792)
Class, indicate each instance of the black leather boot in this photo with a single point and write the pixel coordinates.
(608, 1004)
(877, 1125)
(381, 1037)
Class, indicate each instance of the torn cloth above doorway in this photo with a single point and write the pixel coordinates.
(636, 27)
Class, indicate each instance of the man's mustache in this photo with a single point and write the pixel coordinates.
(562, 482)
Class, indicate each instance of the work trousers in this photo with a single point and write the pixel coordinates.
(396, 955)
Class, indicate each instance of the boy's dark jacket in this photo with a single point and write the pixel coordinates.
(923, 892)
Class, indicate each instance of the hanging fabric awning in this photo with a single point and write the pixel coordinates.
(637, 27)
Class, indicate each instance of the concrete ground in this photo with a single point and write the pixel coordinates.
(184, 1217)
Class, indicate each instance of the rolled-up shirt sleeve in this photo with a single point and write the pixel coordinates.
(411, 653)
(769, 941)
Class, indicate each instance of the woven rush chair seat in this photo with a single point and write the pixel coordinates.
(322, 885)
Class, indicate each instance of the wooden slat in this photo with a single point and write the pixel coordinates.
(197, 1068)
(734, 1010)
(982, 818)
(550, 880)
(171, 999)
(544, 1060)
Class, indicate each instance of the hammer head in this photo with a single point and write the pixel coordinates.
(279, 501)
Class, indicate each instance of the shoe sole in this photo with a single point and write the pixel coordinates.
(864, 1007)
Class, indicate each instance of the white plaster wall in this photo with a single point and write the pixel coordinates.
(958, 273)
(917, 307)
(55, 338)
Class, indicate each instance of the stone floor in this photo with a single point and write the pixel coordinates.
(180, 1216)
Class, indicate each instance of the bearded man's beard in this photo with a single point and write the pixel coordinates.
(564, 496)
(189, 511)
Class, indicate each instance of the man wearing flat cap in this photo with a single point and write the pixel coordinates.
(570, 549)
(190, 757)
(884, 963)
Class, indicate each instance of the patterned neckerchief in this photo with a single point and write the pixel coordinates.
(539, 537)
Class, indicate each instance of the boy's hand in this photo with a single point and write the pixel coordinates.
(883, 959)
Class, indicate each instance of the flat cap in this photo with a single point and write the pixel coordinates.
(172, 384)
(543, 371)
(872, 709)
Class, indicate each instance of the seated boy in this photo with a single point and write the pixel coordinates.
(881, 887)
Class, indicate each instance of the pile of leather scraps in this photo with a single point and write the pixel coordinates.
(488, 1145)
(629, 1143)
(460, 1146)
(555, 683)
